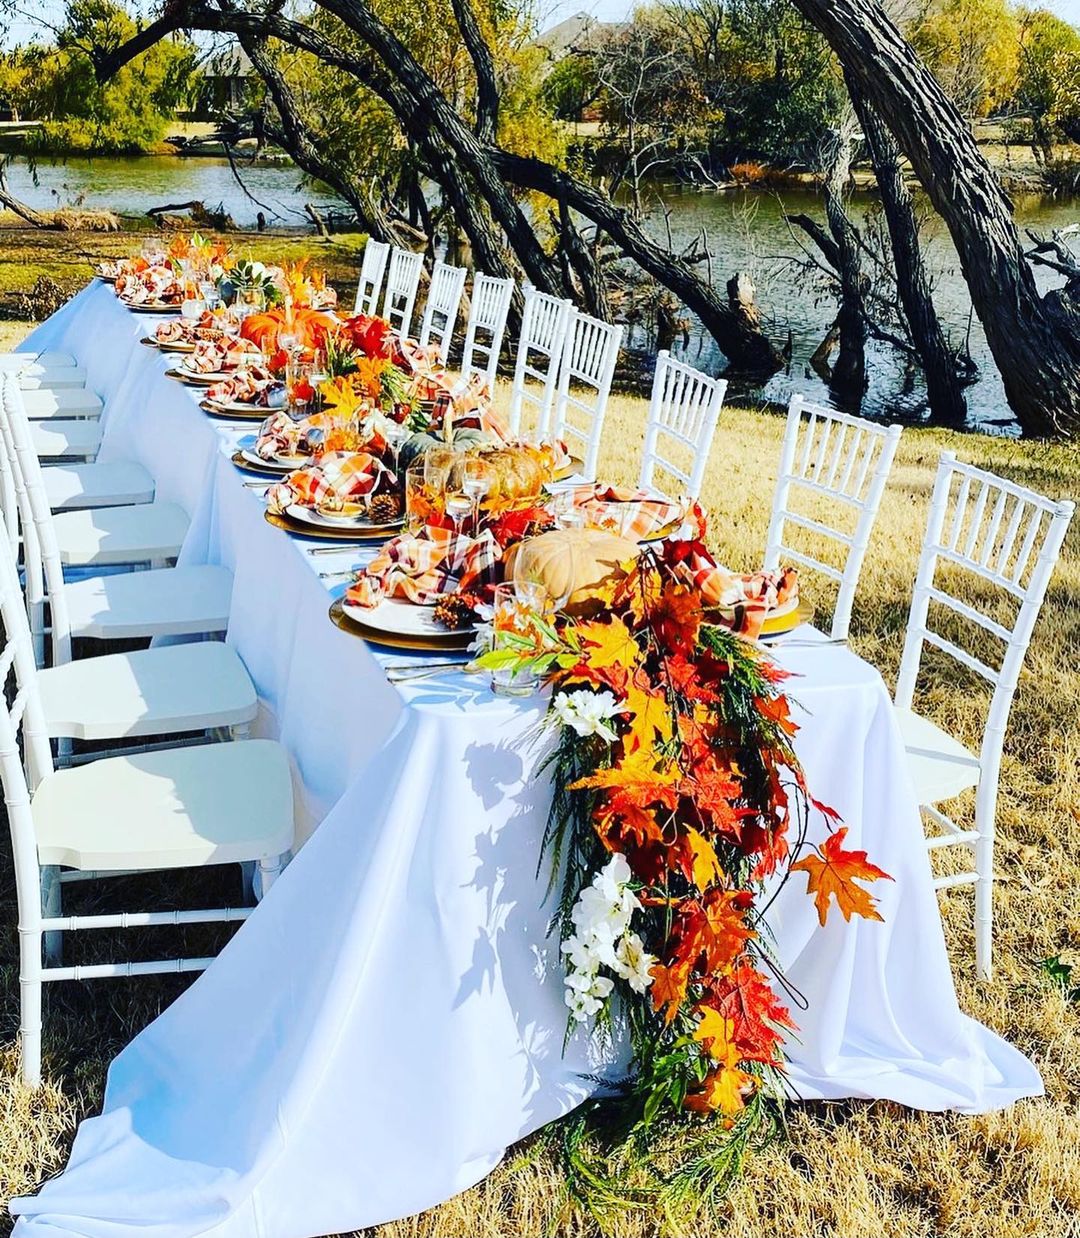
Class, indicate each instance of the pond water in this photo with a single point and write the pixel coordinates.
(746, 231)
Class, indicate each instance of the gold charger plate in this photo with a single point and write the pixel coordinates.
(150, 309)
(782, 624)
(377, 533)
(434, 644)
(572, 466)
(249, 466)
(225, 414)
(171, 346)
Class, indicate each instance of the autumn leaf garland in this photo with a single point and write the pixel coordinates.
(676, 793)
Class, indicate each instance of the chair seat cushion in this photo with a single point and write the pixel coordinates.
(109, 535)
(47, 359)
(173, 601)
(38, 378)
(940, 766)
(108, 484)
(181, 808)
(65, 438)
(68, 402)
(161, 691)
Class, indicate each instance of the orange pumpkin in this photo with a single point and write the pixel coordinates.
(309, 326)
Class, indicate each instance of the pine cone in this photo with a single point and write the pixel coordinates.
(454, 611)
(383, 508)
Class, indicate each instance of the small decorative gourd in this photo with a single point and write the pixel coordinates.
(574, 564)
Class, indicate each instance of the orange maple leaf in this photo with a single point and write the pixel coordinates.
(832, 874)
(724, 1090)
(669, 987)
(676, 618)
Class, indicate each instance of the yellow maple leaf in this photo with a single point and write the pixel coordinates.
(706, 867)
(607, 642)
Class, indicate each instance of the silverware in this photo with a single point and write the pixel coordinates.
(805, 644)
(343, 548)
(258, 485)
(349, 571)
(426, 672)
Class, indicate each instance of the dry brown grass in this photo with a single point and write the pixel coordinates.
(848, 1170)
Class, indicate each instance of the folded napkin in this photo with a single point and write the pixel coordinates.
(424, 567)
(631, 513)
(254, 385)
(336, 475)
(211, 356)
(745, 600)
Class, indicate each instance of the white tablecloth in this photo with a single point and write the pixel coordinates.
(391, 1016)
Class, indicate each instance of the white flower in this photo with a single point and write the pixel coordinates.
(611, 879)
(587, 712)
(483, 638)
(633, 963)
(577, 953)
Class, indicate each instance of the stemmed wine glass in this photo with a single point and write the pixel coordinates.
(477, 479)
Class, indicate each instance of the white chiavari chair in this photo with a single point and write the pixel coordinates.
(1004, 540)
(585, 375)
(169, 690)
(178, 808)
(176, 601)
(150, 533)
(402, 282)
(443, 302)
(490, 304)
(683, 414)
(66, 404)
(835, 461)
(539, 355)
(372, 270)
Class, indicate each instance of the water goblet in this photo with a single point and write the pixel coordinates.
(514, 625)
(478, 477)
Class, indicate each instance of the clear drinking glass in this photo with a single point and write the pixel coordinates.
(299, 391)
(477, 479)
(518, 606)
(420, 504)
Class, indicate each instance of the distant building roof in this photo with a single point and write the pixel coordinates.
(580, 33)
(229, 60)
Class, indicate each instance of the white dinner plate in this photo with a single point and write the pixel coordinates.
(398, 617)
(255, 411)
(308, 515)
(287, 464)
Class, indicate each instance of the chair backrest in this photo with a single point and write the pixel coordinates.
(683, 413)
(372, 270)
(402, 281)
(443, 303)
(488, 309)
(846, 461)
(539, 355)
(25, 752)
(588, 366)
(43, 568)
(1004, 536)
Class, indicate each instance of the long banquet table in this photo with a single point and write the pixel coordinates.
(390, 1018)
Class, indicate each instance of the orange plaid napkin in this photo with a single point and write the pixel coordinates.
(630, 513)
(426, 566)
(338, 474)
(744, 600)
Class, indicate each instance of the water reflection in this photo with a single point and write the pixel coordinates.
(745, 231)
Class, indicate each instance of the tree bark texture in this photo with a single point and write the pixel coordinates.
(944, 390)
(1035, 340)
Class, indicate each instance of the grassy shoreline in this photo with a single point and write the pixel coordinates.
(850, 1169)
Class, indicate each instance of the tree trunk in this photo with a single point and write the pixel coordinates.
(1035, 340)
(943, 387)
(848, 381)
